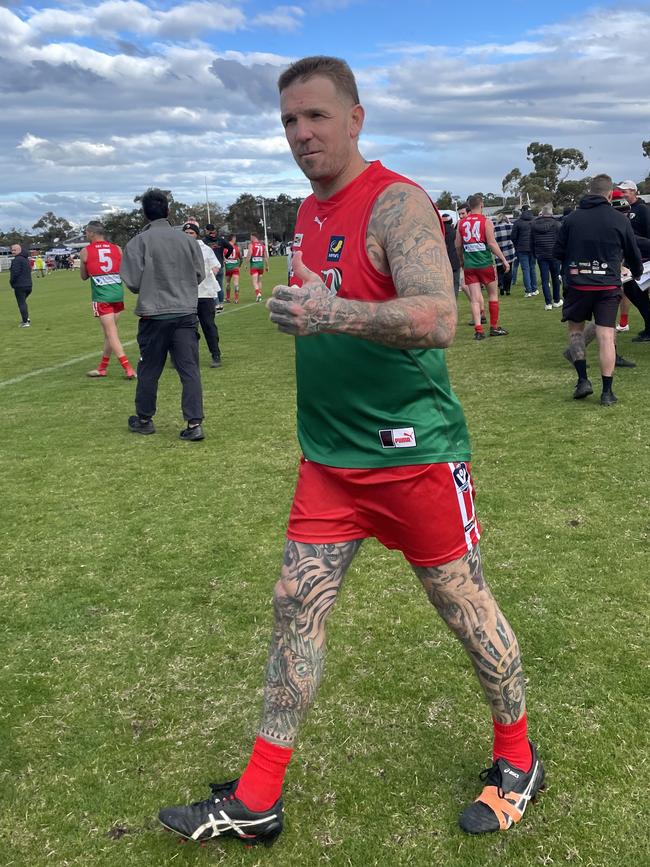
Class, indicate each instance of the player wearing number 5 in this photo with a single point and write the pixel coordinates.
(100, 261)
(475, 243)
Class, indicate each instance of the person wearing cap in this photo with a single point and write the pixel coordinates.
(592, 245)
(639, 211)
(208, 290)
(634, 294)
(220, 247)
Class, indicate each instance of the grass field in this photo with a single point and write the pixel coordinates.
(137, 573)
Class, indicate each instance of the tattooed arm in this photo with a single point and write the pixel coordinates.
(404, 240)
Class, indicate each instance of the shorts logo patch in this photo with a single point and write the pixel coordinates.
(461, 477)
(398, 438)
(335, 248)
(297, 241)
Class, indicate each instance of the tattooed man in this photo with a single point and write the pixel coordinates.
(371, 305)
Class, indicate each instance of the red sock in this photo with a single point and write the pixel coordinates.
(124, 361)
(494, 313)
(478, 328)
(511, 744)
(624, 320)
(103, 364)
(260, 785)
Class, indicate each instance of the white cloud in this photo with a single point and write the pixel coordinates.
(287, 18)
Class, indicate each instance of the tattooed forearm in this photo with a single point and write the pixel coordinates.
(465, 602)
(304, 596)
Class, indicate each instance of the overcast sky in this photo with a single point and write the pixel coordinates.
(103, 100)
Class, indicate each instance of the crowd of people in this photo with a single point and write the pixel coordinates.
(603, 255)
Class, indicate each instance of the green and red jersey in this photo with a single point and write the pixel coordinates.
(476, 253)
(362, 404)
(103, 261)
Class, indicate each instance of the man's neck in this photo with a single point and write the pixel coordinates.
(329, 187)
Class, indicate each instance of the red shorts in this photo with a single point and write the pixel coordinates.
(480, 275)
(233, 273)
(424, 511)
(103, 308)
(259, 271)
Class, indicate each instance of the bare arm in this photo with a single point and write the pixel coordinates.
(492, 244)
(83, 257)
(404, 240)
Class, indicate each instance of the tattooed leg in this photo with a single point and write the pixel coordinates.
(466, 604)
(309, 583)
(577, 345)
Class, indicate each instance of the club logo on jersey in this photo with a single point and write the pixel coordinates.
(297, 241)
(335, 248)
(398, 438)
(333, 279)
(461, 477)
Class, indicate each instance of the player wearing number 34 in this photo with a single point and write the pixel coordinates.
(100, 261)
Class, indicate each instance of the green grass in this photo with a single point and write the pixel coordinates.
(137, 573)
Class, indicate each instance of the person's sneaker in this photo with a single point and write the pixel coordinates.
(642, 337)
(620, 328)
(192, 433)
(25, 324)
(535, 292)
(93, 374)
(216, 362)
(583, 389)
(479, 335)
(608, 398)
(224, 815)
(528, 294)
(497, 332)
(258, 298)
(548, 307)
(504, 798)
(558, 304)
(623, 362)
(141, 425)
(567, 355)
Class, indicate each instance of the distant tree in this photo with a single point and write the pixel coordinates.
(15, 236)
(244, 215)
(199, 211)
(281, 216)
(123, 225)
(551, 168)
(570, 192)
(644, 186)
(645, 146)
(52, 229)
(445, 201)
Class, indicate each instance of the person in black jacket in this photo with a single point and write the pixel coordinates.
(639, 211)
(592, 245)
(521, 238)
(544, 232)
(221, 247)
(450, 242)
(20, 279)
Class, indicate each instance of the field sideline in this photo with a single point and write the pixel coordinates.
(137, 573)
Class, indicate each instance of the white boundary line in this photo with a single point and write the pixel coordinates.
(71, 361)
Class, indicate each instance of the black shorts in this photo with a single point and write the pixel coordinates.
(601, 305)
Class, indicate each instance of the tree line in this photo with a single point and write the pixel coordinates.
(548, 181)
(243, 216)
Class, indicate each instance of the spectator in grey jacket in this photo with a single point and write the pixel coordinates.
(20, 279)
(544, 232)
(164, 268)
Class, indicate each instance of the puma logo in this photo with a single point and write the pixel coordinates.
(319, 221)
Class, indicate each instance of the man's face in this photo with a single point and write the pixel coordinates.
(15, 249)
(630, 195)
(320, 126)
(462, 213)
(191, 233)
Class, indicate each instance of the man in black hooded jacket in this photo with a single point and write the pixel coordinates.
(521, 237)
(20, 279)
(593, 242)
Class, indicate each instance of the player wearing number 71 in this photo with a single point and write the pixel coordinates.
(100, 261)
